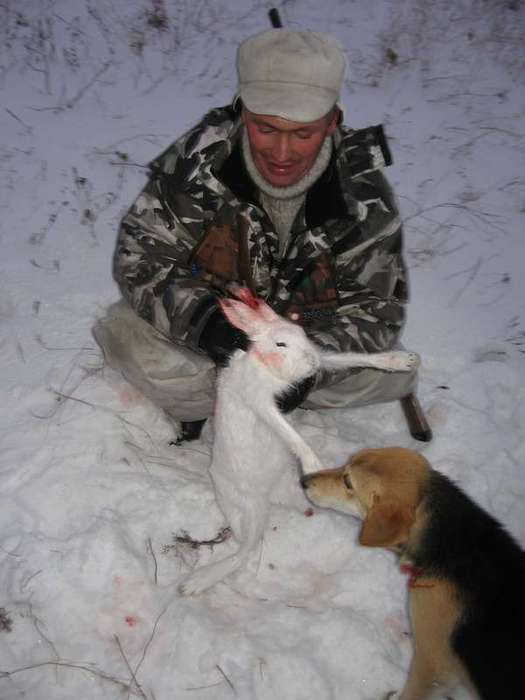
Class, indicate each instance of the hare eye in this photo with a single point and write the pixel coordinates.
(347, 481)
(281, 345)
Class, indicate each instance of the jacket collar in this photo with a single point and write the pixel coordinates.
(324, 200)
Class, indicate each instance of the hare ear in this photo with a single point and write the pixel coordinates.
(240, 315)
(387, 523)
(266, 312)
(243, 294)
(256, 303)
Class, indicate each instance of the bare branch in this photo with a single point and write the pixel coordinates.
(64, 664)
(228, 681)
(155, 573)
(28, 129)
(134, 678)
(146, 646)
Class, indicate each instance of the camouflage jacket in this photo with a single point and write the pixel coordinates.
(198, 225)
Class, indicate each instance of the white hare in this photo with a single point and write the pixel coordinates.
(253, 441)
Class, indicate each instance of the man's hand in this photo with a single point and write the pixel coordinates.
(220, 339)
(295, 395)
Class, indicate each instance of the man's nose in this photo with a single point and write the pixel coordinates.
(281, 151)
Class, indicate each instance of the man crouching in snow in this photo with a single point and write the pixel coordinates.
(274, 193)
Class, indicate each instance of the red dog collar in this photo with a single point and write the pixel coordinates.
(414, 572)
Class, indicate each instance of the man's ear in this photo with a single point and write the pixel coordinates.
(334, 121)
(387, 523)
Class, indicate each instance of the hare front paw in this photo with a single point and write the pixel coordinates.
(311, 463)
(401, 361)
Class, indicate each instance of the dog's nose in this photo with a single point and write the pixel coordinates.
(304, 481)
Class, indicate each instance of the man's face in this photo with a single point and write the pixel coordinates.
(284, 151)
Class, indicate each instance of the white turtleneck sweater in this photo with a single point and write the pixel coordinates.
(282, 203)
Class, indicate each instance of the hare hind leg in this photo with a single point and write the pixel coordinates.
(207, 576)
(248, 533)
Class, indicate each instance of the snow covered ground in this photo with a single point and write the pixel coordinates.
(91, 493)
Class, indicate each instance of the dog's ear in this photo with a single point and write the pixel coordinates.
(387, 523)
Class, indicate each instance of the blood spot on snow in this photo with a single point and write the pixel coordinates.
(130, 620)
(309, 512)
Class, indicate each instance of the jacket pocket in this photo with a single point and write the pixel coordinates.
(313, 293)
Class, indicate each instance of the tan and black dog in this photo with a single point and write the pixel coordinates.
(466, 573)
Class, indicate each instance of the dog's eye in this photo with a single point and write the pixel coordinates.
(347, 481)
(281, 345)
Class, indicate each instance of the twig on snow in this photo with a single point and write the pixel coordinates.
(65, 664)
(60, 395)
(134, 672)
(185, 538)
(133, 676)
(129, 164)
(63, 396)
(37, 623)
(146, 646)
(29, 578)
(472, 274)
(228, 681)
(29, 129)
(155, 573)
(203, 687)
(69, 104)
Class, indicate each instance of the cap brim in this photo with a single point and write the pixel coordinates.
(295, 102)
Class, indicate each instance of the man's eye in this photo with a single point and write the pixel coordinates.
(281, 345)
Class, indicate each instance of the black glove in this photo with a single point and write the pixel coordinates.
(220, 339)
(295, 395)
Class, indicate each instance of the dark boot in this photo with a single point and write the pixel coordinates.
(417, 423)
(190, 430)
